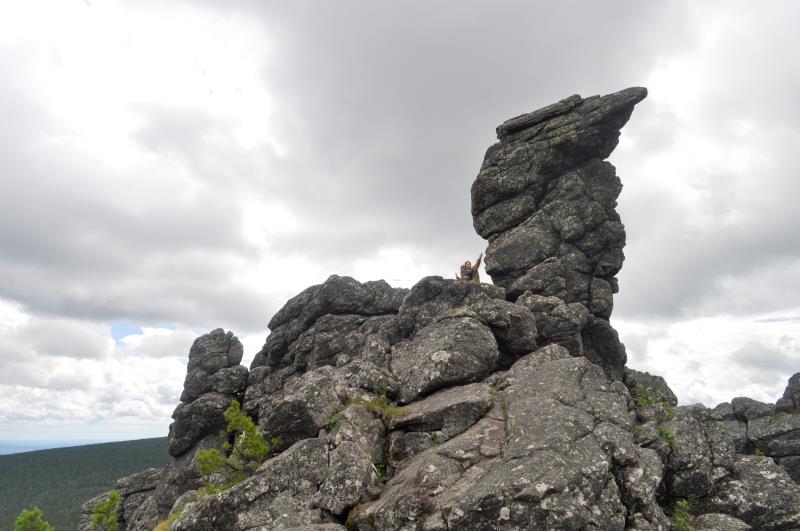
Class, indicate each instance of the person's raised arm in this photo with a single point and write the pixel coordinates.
(478, 262)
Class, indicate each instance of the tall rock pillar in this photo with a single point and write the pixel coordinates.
(545, 199)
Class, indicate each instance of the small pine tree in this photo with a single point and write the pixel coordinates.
(105, 514)
(249, 448)
(32, 520)
(248, 451)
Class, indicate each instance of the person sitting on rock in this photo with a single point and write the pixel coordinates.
(469, 272)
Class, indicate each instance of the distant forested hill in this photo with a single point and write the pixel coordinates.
(60, 480)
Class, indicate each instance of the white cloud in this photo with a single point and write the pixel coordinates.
(187, 166)
(714, 359)
(156, 343)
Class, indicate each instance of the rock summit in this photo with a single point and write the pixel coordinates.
(460, 406)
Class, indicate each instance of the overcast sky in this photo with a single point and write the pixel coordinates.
(170, 168)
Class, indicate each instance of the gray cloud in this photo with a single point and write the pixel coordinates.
(765, 362)
(384, 111)
(390, 118)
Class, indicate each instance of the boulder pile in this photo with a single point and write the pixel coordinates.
(462, 406)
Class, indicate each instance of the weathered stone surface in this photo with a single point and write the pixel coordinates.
(513, 326)
(300, 488)
(762, 495)
(777, 435)
(450, 352)
(450, 411)
(355, 424)
(136, 490)
(792, 466)
(303, 406)
(790, 401)
(723, 411)
(349, 472)
(573, 327)
(432, 297)
(340, 339)
(719, 522)
(145, 517)
(87, 511)
(602, 346)
(210, 353)
(655, 385)
(179, 476)
(747, 409)
(196, 420)
(279, 495)
(336, 296)
(545, 198)
(700, 453)
(541, 458)
(230, 381)
(141, 481)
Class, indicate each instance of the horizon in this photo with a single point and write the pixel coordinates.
(172, 169)
(20, 447)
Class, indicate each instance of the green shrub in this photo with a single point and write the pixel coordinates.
(248, 451)
(666, 434)
(382, 406)
(643, 397)
(759, 452)
(332, 421)
(104, 515)
(681, 516)
(668, 411)
(383, 472)
(32, 520)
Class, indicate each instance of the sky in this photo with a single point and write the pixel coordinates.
(167, 168)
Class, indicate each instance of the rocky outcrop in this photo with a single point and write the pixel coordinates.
(336, 296)
(214, 379)
(545, 199)
(455, 405)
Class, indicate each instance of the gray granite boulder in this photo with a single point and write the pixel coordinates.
(555, 451)
(196, 420)
(432, 297)
(655, 386)
(336, 296)
(136, 490)
(450, 352)
(210, 353)
(762, 495)
(747, 409)
(790, 401)
(301, 408)
(546, 200)
(303, 487)
(719, 522)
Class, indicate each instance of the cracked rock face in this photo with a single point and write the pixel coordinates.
(545, 199)
(544, 456)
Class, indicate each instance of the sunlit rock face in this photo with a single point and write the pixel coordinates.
(545, 198)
